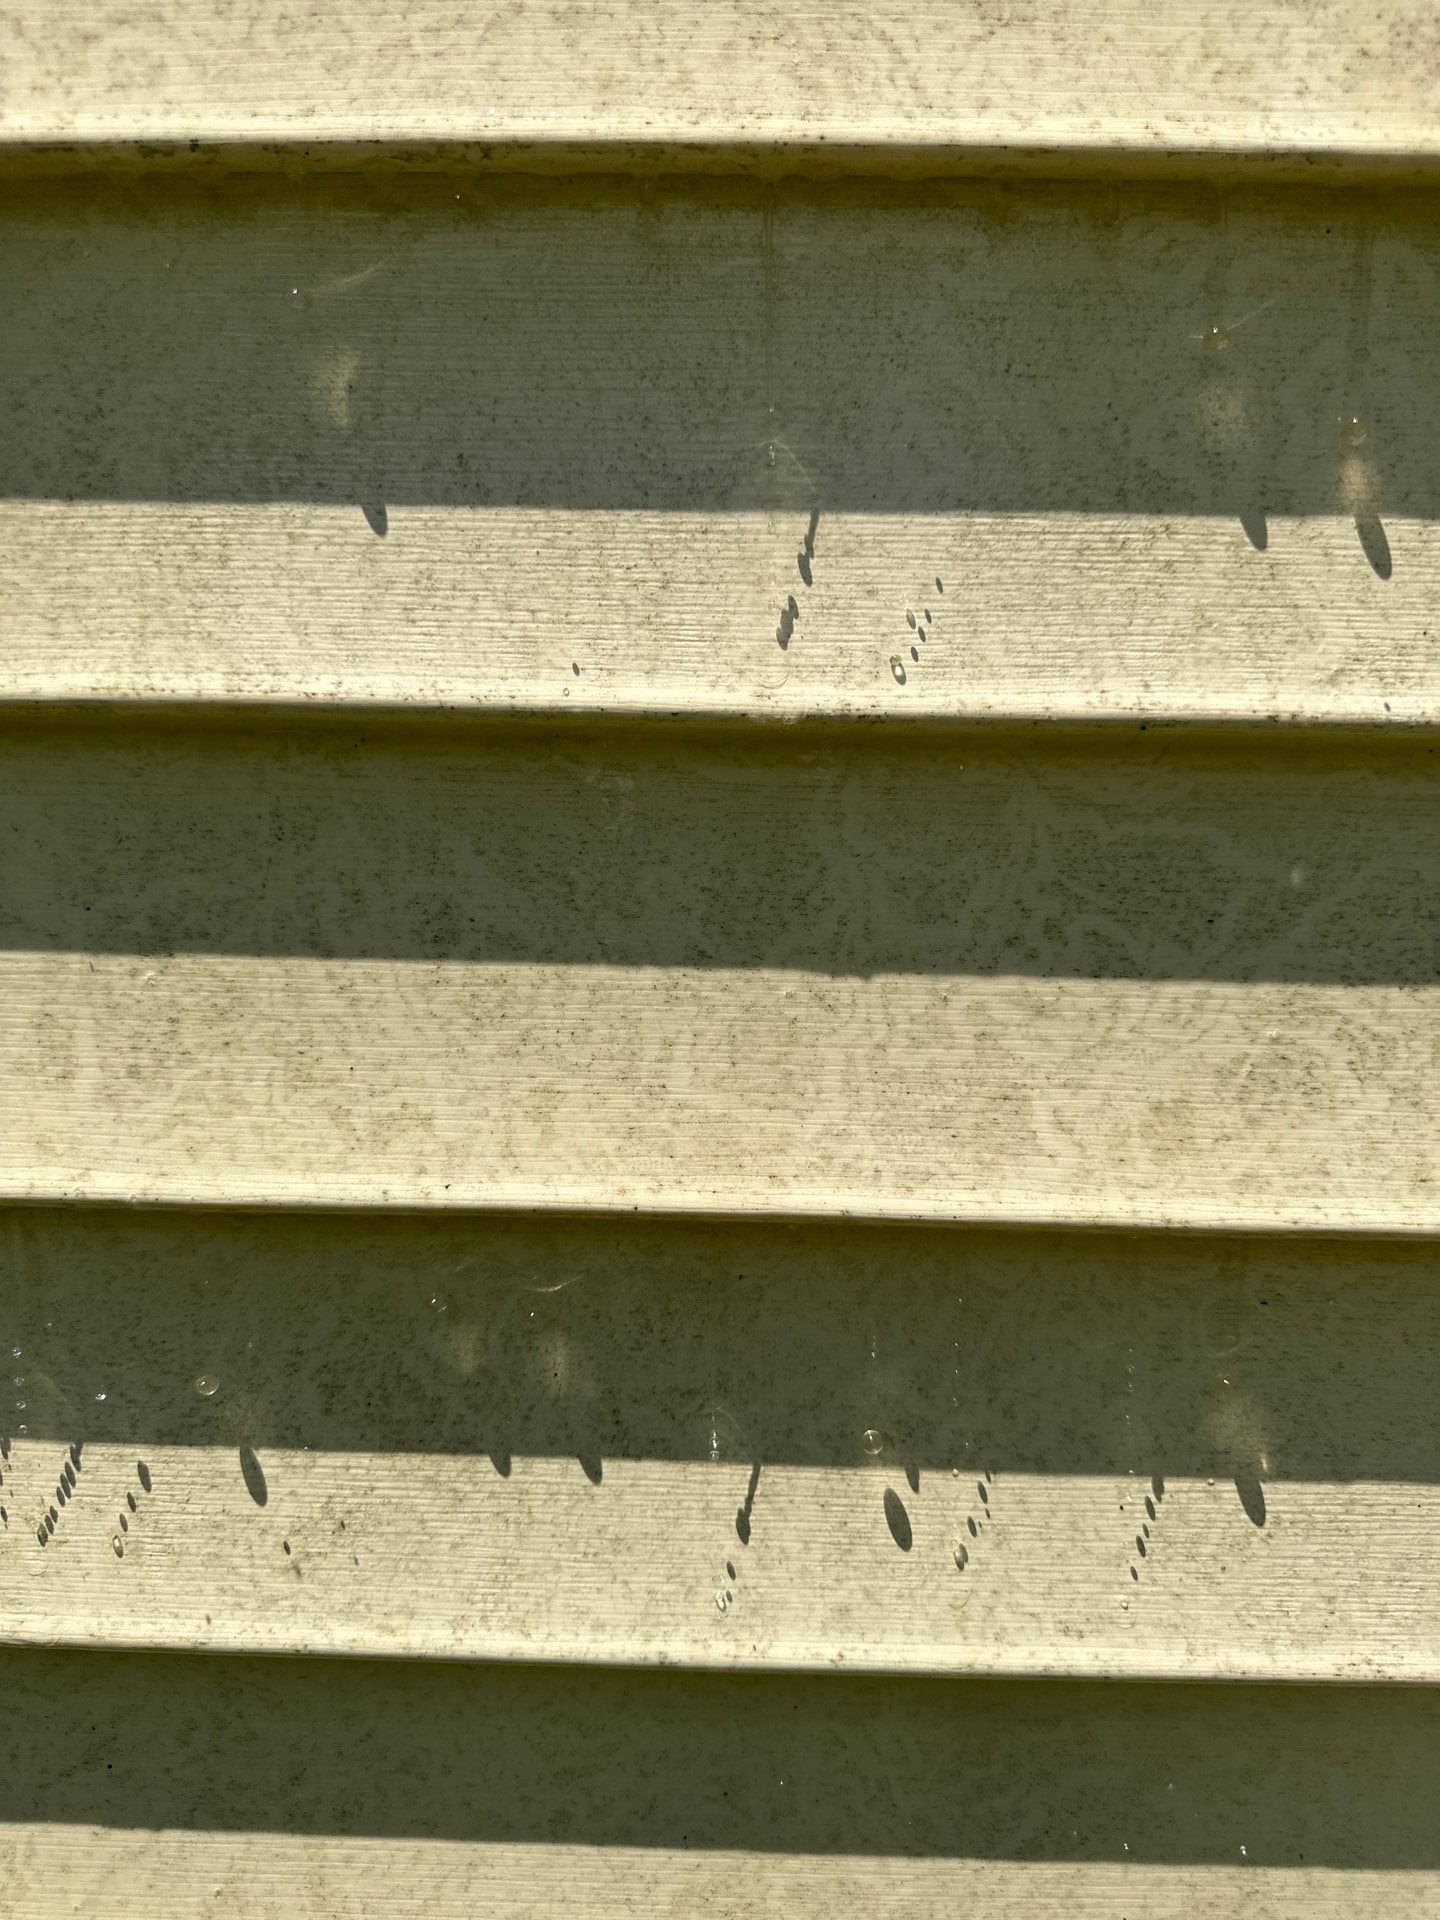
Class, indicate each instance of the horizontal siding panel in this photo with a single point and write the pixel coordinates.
(174, 1876)
(722, 1445)
(1330, 78)
(1150, 980)
(226, 1080)
(436, 1557)
(177, 1787)
(569, 448)
(1043, 617)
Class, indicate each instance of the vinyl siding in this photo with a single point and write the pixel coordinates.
(718, 961)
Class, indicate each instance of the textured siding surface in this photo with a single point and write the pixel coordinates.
(1274, 78)
(741, 1444)
(192, 1787)
(1134, 980)
(719, 964)
(657, 446)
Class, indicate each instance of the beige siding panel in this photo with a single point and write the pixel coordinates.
(1140, 980)
(177, 1787)
(437, 1556)
(631, 614)
(722, 1445)
(929, 75)
(228, 1080)
(131, 1874)
(560, 448)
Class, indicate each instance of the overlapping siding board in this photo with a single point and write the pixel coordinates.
(719, 1008)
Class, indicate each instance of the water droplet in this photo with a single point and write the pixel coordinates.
(22, 1428)
(962, 1555)
(102, 1394)
(1215, 338)
(1242, 1853)
(20, 1406)
(207, 1386)
(119, 1546)
(15, 1353)
(1353, 429)
(722, 1600)
(897, 669)
(873, 1441)
(439, 1303)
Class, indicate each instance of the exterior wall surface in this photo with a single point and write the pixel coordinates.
(719, 960)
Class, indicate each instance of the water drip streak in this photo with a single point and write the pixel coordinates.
(1358, 470)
